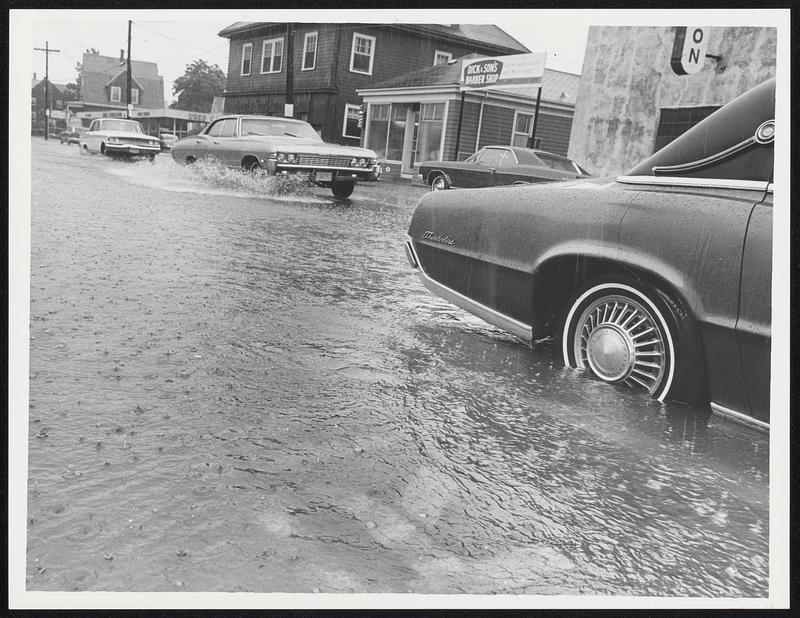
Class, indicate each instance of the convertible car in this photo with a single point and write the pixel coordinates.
(500, 165)
(117, 137)
(659, 279)
(280, 146)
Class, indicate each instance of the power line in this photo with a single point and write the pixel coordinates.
(218, 55)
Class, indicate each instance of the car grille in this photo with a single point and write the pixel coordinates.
(145, 141)
(324, 161)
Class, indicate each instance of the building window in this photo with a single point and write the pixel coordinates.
(135, 96)
(350, 127)
(272, 56)
(309, 51)
(247, 58)
(523, 124)
(431, 127)
(116, 94)
(58, 103)
(33, 101)
(362, 53)
(673, 123)
(441, 57)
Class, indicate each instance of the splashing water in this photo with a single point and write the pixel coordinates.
(210, 177)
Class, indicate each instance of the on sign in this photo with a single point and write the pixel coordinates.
(689, 50)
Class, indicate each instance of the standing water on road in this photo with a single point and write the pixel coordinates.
(240, 386)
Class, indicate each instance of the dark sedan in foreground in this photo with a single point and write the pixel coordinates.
(500, 165)
(279, 146)
(659, 279)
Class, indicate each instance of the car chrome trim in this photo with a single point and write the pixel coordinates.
(739, 417)
(311, 168)
(765, 134)
(705, 183)
(507, 323)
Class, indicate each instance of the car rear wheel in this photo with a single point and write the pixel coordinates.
(623, 332)
(439, 183)
(343, 190)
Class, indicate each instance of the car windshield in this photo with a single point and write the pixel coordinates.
(278, 128)
(131, 126)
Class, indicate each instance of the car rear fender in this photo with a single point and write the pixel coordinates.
(564, 268)
(430, 175)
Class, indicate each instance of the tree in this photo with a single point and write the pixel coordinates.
(198, 86)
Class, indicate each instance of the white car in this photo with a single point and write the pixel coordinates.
(119, 137)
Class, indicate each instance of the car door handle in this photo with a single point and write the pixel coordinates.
(216, 142)
(197, 141)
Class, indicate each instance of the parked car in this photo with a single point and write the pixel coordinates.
(499, 165)
(118, 137)
(167, 140)
(71, 136)
(279, 146)
(659, 279)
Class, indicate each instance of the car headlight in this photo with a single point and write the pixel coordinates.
(353, 162)
(362, 162)
(281, 157)
(373, 162)
(113, 140)
(153, 142)
(290, 158)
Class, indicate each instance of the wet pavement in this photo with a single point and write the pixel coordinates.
(242, 386)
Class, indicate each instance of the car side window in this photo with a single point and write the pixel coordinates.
(491, 157)
(216, 129)
(93, 126)
(508, 160)
(228, 128)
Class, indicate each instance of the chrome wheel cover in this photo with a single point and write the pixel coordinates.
(619, 340)
(439, 184)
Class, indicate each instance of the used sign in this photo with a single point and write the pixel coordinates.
(689, 50)
(518, 73)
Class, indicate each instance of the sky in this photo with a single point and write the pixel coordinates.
(174, 39)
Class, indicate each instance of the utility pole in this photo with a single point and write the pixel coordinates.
(128, 80)
(288, 109)
(47, 52)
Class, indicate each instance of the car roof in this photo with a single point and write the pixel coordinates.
(521, 150)
(727, 144)
(259, 117)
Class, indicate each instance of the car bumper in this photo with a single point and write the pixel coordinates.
(320, 175)
(132, 149)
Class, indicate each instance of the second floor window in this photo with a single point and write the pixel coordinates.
(362, 54)
(58, 104)
(441, 57)
(309, 51)
(135, 96)
(116, 94)
(33, 101)
(247, 58)
(272, 56)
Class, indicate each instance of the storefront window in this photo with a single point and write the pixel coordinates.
(378, 129)
(429, 139)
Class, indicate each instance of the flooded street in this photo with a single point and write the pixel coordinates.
(239, 386)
